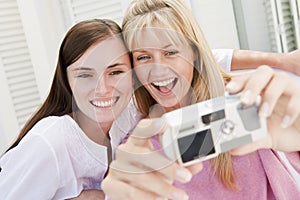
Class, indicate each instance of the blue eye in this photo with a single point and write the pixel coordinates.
(143, 57)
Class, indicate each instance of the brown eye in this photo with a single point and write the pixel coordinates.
(117, 72)
(84, 76)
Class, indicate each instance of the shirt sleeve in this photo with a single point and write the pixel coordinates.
(29, 171)
(224, 58)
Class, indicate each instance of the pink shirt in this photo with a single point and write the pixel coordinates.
(259, 176)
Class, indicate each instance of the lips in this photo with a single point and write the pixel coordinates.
(165, 86)
(104, 103)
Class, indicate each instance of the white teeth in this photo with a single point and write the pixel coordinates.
(163, 83)
(104, 103)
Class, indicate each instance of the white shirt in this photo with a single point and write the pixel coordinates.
(224, 58)
(56, 160)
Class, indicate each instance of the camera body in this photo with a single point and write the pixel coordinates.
(203, 130)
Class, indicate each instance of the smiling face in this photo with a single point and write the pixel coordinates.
(101, 81)
(164, 67)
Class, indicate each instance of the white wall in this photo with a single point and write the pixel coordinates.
(256, 25)
(217, 21)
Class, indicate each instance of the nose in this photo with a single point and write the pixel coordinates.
(103, 85)
(159, 66)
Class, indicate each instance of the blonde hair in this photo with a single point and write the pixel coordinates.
(208, 76)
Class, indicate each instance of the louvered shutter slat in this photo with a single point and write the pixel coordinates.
(13, 46)
(23, 85)
(18, 66)
(16, 59)
(6, 26)
(9, 11)
(22, 74)
(20, 93)
(15, 52)
(8, 4)
(90, 9)
(10, 40)
(10, 18)
(26, 99)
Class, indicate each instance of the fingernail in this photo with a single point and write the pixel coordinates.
(232, 85)
(180, 196)
(161, 198)
(265, 109)
(155, 122)
(184, 175)
(285, 121)
(246, 97)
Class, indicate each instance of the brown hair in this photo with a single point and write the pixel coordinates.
(208, 76)
(77, 40)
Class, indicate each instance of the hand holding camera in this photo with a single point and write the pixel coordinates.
(204, 130)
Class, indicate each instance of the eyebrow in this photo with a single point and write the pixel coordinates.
(90, 69)
(82, 68)
(143, 50)
(114, 65)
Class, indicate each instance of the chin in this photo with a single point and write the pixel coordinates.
(168, 103)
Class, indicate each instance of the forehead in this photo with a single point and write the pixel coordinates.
(156, 38)
(103, 53)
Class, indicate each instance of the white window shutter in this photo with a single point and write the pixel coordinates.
(283, 25)
(295, 7)
(287, 26)
(273, 26)
(78, 10)
(17, 73)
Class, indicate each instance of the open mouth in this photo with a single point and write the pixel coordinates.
(165, 86)
(106, 103)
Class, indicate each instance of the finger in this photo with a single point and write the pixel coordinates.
(124, 190)
(288, 109)
(292, 111)
(145, 129)
(237, 83)
(251, 147)
(159, 185)
(252, 83)
(196, 168)
(272, 93)
(145, 161)
(256, 83)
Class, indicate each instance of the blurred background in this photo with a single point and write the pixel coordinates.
(31, 31)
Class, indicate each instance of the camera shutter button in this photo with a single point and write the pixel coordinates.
(227, 127)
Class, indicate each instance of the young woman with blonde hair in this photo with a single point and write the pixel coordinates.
(174, 68)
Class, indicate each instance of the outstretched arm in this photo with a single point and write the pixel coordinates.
(280, 105)
(248, 59)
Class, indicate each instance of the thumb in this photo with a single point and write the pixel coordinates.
(145, 129)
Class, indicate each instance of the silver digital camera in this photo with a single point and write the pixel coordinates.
(204, 130)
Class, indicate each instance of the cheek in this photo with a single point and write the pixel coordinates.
(124, 84)
(142, 73)
(185, 70)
